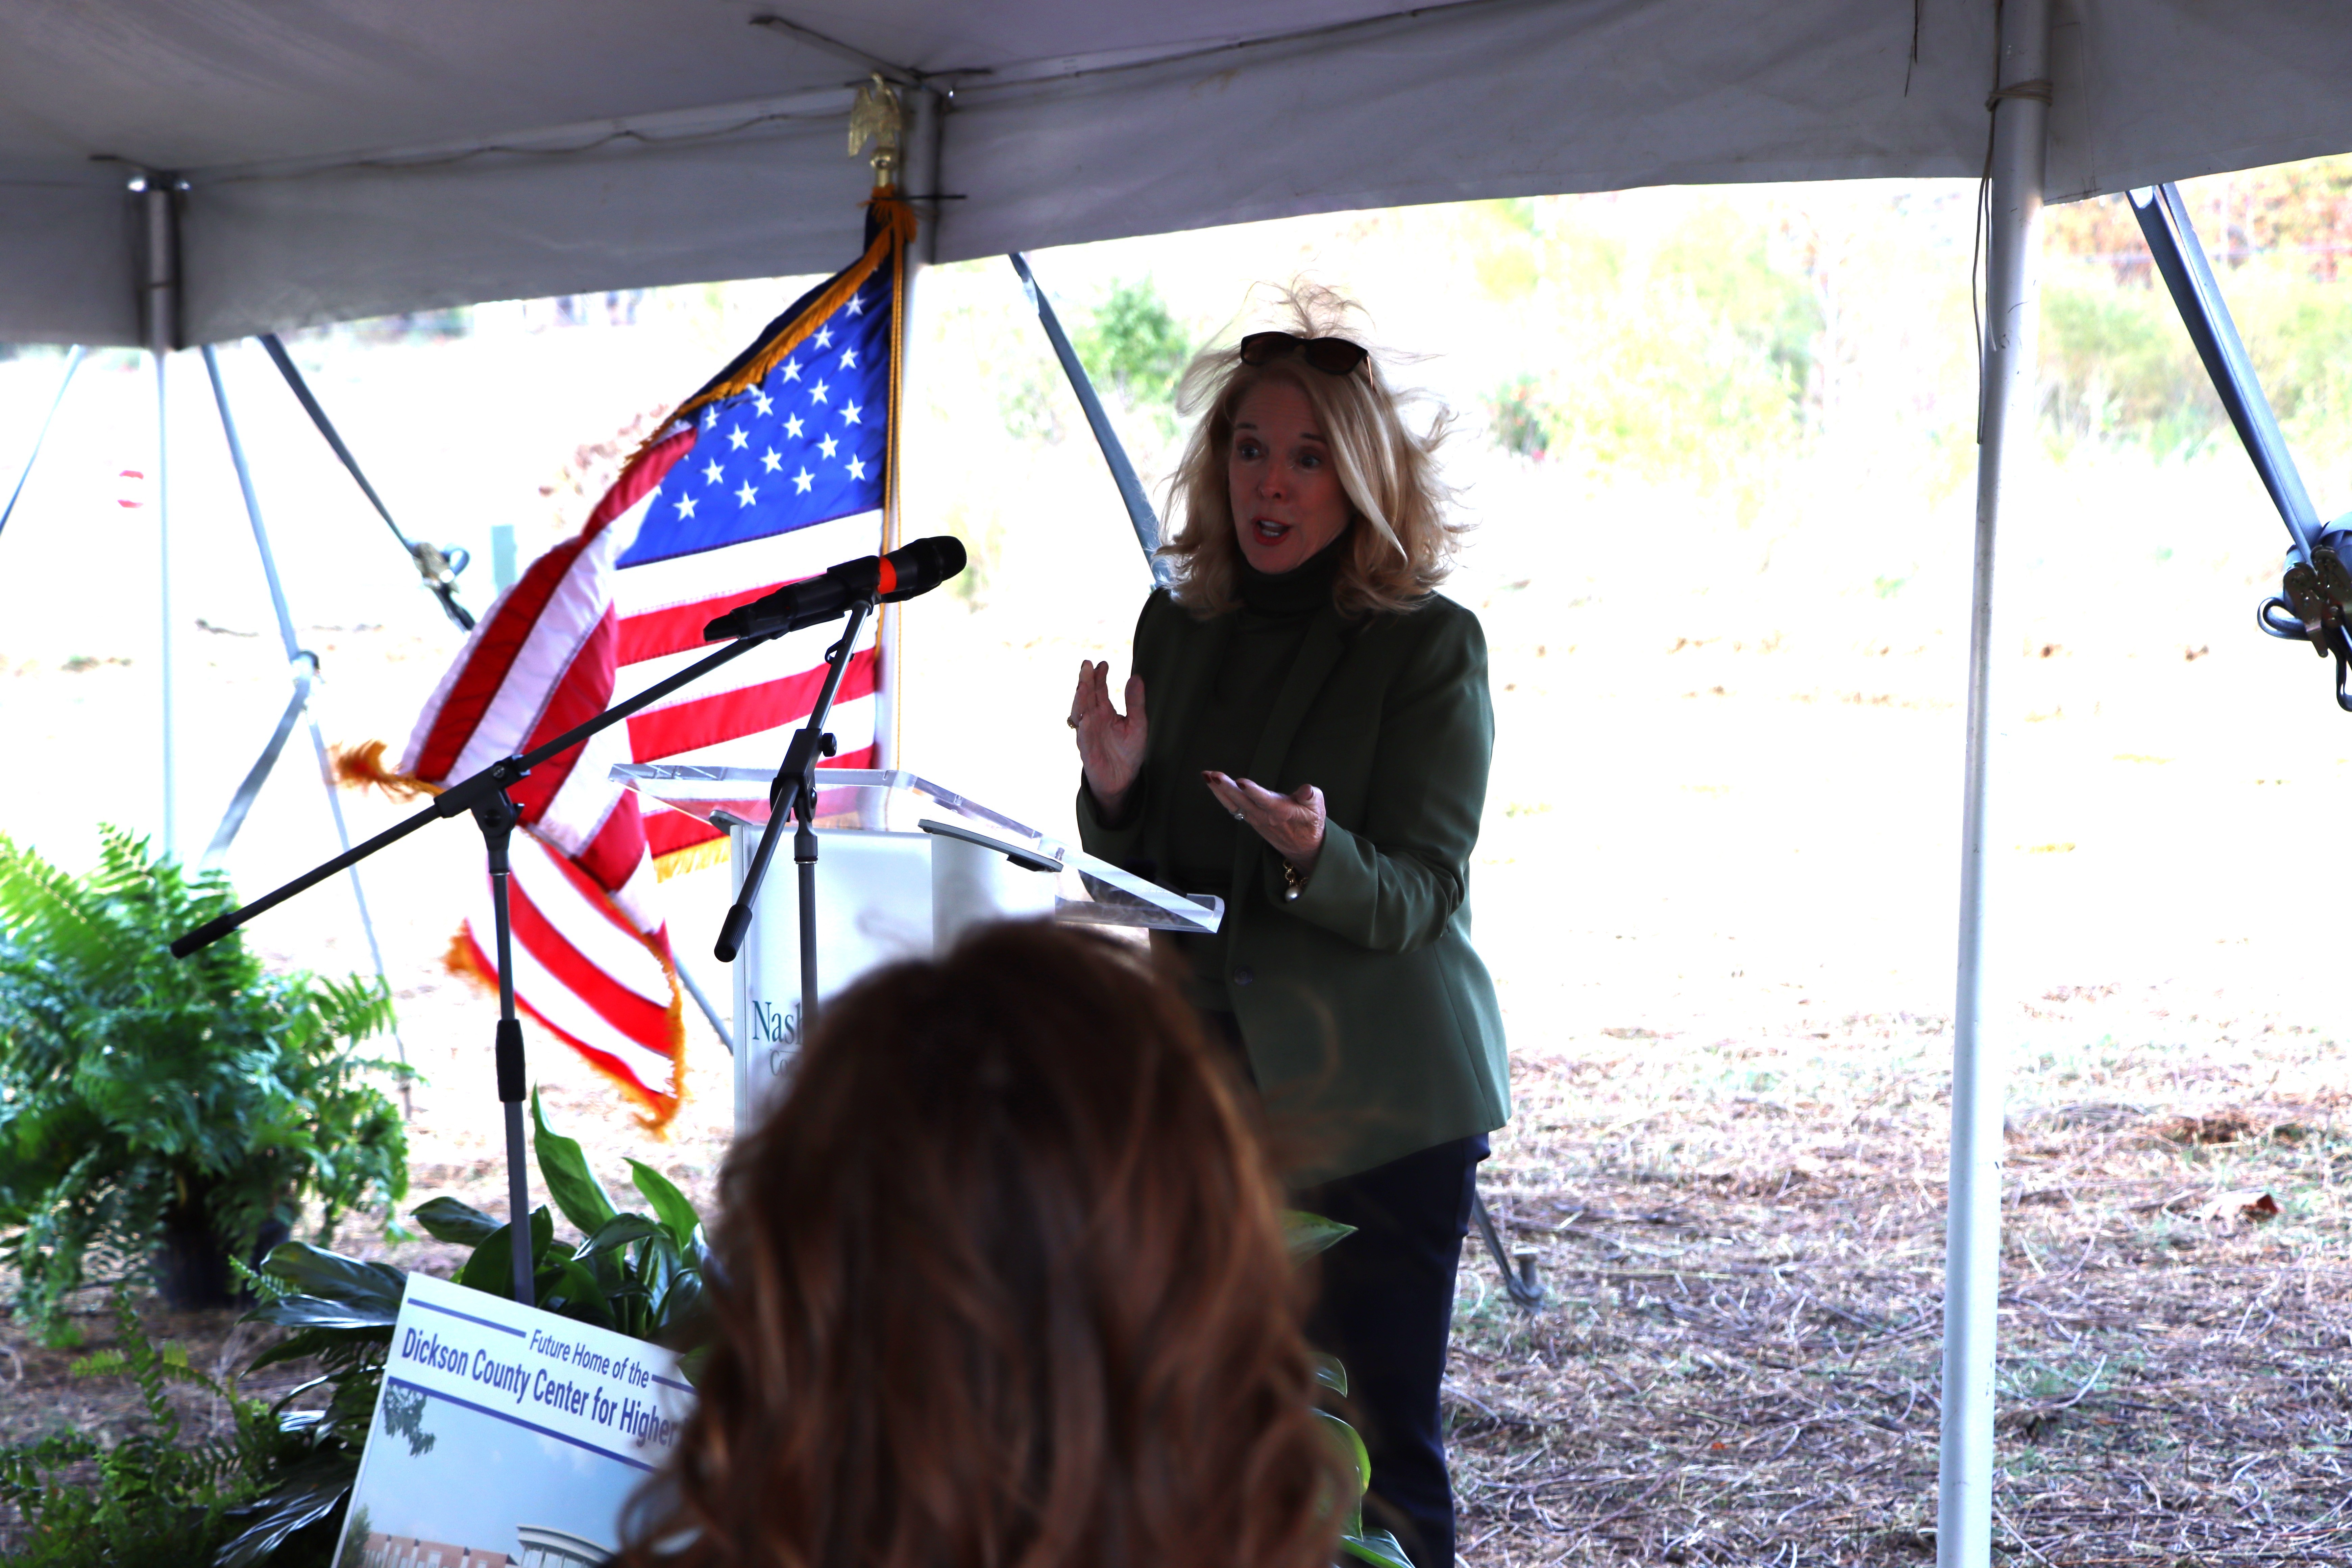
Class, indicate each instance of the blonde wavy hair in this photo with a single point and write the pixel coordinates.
(1402, 545)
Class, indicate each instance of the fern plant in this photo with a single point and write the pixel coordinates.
(142, 1095)
(150, 1500)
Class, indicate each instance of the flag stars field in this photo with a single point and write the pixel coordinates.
(788, 467)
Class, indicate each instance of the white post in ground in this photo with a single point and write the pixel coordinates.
(160, 315)
(2021, 112)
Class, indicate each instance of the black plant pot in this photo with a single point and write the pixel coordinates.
(191, 1265)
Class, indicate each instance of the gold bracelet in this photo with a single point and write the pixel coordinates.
(1293, 882)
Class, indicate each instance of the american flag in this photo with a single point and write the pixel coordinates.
(783, 465)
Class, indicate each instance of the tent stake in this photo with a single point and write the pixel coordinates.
(2020, 111)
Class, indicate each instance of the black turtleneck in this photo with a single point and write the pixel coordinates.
(1268, 628)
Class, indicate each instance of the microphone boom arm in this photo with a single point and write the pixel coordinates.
(463, 795)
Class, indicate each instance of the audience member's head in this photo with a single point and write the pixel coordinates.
(1002, 1283)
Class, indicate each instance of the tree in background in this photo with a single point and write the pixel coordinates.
(1133, 348)
(2116, 363)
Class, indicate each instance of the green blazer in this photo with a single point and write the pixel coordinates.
(1370, 1023)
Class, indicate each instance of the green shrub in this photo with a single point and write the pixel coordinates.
(136, 1089)
(1689, 362)
(2117, 364)
(1517, 417)
(148, 1501)
(1132, 346)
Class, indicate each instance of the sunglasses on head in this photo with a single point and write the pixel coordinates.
(1332, 356)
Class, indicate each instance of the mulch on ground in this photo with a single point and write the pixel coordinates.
(1740, 1355)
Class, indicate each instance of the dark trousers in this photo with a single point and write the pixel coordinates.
(1385, 1309)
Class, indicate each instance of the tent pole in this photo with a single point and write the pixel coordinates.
(305, 667)
(920, 178)
(161, 319)
(2020, 113)
(73, 363)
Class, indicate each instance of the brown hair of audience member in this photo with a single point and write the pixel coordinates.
(1002, 1283)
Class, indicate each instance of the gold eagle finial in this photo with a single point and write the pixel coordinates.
(880, 118)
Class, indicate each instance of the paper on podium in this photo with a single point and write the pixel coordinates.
(904, 867)
(1089, 891)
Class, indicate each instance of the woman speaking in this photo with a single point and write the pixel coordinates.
(1316, 753)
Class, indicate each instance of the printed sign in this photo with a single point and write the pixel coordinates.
(505, 1437)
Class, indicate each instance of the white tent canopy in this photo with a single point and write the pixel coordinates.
(346, 158)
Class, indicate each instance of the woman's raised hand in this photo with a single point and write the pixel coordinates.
(1110, 744)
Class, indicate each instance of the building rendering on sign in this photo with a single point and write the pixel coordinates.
(546, 1548)
(383, 1551)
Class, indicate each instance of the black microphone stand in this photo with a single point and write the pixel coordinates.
(484, 795)
(795, 788)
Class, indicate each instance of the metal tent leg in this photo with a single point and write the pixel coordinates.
(73, 363)
(159, 215)
(305, 667)
(1972, 1222)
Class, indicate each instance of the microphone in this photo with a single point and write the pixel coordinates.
(910, 570)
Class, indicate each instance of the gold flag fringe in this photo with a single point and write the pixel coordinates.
(654, 1111)
(362, 767)
(693, 858)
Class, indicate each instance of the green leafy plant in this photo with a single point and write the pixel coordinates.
(338, 1312)
(1309, 1233)
(637, 1273)
(149, 1499)
(144, 1097)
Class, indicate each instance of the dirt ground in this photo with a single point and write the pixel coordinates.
(1738, 1358)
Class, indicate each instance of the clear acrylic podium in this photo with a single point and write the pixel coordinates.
(903, 867)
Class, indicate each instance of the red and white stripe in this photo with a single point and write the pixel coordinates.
(575, 634)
